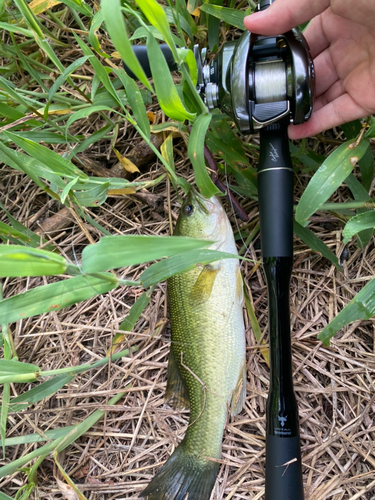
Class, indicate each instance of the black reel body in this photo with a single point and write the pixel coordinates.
(259, 80)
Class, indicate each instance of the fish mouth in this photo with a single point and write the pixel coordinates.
(194, 197)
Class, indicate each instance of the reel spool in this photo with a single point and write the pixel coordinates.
(259, 80)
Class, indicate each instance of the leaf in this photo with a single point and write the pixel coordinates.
(127, 164)
(13, 28)
(360, 194)
(11, 234)
(134, 314)
(93, 197)
(352, 129)
(4, 414)
(362, 306)
(136, 102)
(115, 24)
(3, 496)
(213, 25)
(127, 250)
(358, 223)
(54, 296)
(181, 263)
(157, 17)
(196, 155)
(17, 260)
(166, 150)
(334, 170)
(255, 326)
(41, 391)
(165, 88)
(64, 75)
(40, 6)
(15, 371)
(60, 443)
(36, 438)
(316, 244)
(52, 160)
(234, 17)
(366, 166)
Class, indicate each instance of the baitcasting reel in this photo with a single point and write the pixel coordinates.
(259, 80)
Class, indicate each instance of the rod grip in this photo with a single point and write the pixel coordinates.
(283, 468)
(275, 191)
(140, 51)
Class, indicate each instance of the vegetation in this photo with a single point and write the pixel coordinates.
(64, 95)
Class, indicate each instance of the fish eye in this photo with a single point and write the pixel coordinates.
(189, 209)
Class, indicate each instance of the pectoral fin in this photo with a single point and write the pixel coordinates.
(239, 393)
(176, 392)
(202, 288)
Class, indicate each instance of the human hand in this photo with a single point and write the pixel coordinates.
(341, 37)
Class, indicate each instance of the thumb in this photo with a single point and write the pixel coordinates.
(283, 15)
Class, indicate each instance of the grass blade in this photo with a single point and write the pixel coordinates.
(41, 391)
(334, 170)
(115, 24)
(121, 251)
(60, 443)
(165, 88)
(234, 17)
(52, 160)
(55, 296)
(196, 155)
(135, 100)
(362, 306)
(180, 264)
(315, 244)
(16, 260)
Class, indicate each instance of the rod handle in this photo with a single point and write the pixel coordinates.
(283, 468)
(275, 191)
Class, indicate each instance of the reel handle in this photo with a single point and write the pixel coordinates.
(140, 51)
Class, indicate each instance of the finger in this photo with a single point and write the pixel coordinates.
(325, 73)
(284, 15)
(334, 92)
(315, 36)
(342, 110)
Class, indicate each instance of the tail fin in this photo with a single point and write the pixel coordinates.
(183, 474)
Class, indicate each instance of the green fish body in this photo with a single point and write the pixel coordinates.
(206, 369)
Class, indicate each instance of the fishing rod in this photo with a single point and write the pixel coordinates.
(264, 83)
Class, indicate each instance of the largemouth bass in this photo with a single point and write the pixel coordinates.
(206, 368)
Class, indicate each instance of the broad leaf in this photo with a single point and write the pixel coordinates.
(357, 224)
(334, 170)
(115, 24)
(196, 155)
(181, 263)
(54, 296)
(165, 87)
(362, 306)
(121, 251)
(316, 244)
(234, 17)
(16, 260)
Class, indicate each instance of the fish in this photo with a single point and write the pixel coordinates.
(206, 367)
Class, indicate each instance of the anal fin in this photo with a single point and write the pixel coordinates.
(176, 392)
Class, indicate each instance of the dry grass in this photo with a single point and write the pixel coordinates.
(122, 452)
